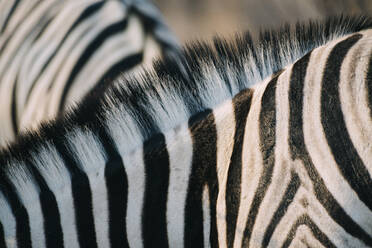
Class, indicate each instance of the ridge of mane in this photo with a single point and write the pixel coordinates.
(135, 108)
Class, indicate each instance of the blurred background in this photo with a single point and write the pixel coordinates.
(202, 19)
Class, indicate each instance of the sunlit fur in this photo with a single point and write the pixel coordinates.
(186, 111)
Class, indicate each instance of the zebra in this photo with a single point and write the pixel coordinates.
(53, 53)
(242, 143)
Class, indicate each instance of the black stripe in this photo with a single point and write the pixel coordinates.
(369, 86)
(117, 191)
(282, 208)
(2, 236)
(267, 121)
(89, 51)
(318, 234)
(14, 6)
(23, 233)
(128, 62)
(242, 104)
(204, 163)
(335, 130)
(14, 107)
(93, 8)
(49, 207)
(82, 196)
(298, 150)
(42, 26)
(154, 225)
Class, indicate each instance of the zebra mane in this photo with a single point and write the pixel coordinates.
(135, 108)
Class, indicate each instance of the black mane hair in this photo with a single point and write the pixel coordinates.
(200, 78)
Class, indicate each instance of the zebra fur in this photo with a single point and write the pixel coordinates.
(53, 53)
(239, 144)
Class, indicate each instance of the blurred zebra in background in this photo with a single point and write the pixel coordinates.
(240, 144)
(205, 18)
(53, 53)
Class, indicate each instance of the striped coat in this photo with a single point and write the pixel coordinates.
(242, 144)
(53, 53)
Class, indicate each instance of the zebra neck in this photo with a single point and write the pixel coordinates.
(177, 173)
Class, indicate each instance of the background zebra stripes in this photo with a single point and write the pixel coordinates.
(53, 53)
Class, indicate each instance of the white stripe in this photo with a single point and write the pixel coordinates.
(152, 51)
(318, 147)
(8, 222)
(124, 128)
(135, 169)
(28, 193)
(89, 152)
(206, 217)
(57, 177)
(179, 146)
(225, 127)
